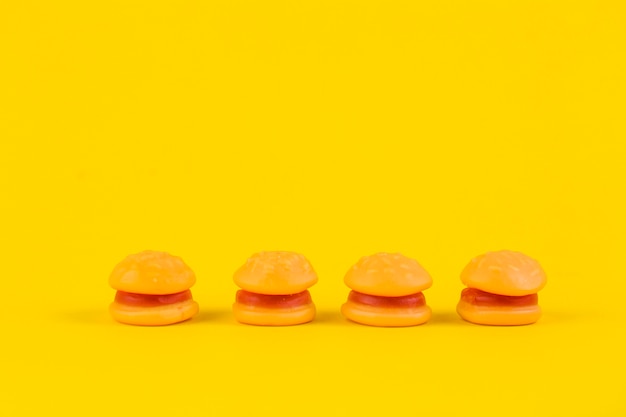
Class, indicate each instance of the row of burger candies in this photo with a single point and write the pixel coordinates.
(153, 288)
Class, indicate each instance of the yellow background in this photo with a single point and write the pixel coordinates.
(337, 129)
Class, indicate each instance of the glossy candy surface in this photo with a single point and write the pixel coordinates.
(385, 315)
(276, 273)
(150, 300)
(273, 301)
(504, 272)
(152, 272)
(498, 315)
(264, 315)
(154, 316)
(413, 300)
(483, 298)
(388, 274)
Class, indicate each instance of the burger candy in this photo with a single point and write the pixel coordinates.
(274, 289)
(387, 291)
(152, 289)
(502, 289)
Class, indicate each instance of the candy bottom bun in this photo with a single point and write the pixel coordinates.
(498, 315)
(154, 316)
(265, 316)
(386, 317)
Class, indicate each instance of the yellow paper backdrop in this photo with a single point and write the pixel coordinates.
(337, 129)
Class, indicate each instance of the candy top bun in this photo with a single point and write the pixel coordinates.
(388, 275)
(152, 272)
(504, 272)
(276, 273)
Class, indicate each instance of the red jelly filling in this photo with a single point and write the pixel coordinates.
(274, 301)
(406, 301)
(487, 299)
(149, 300)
